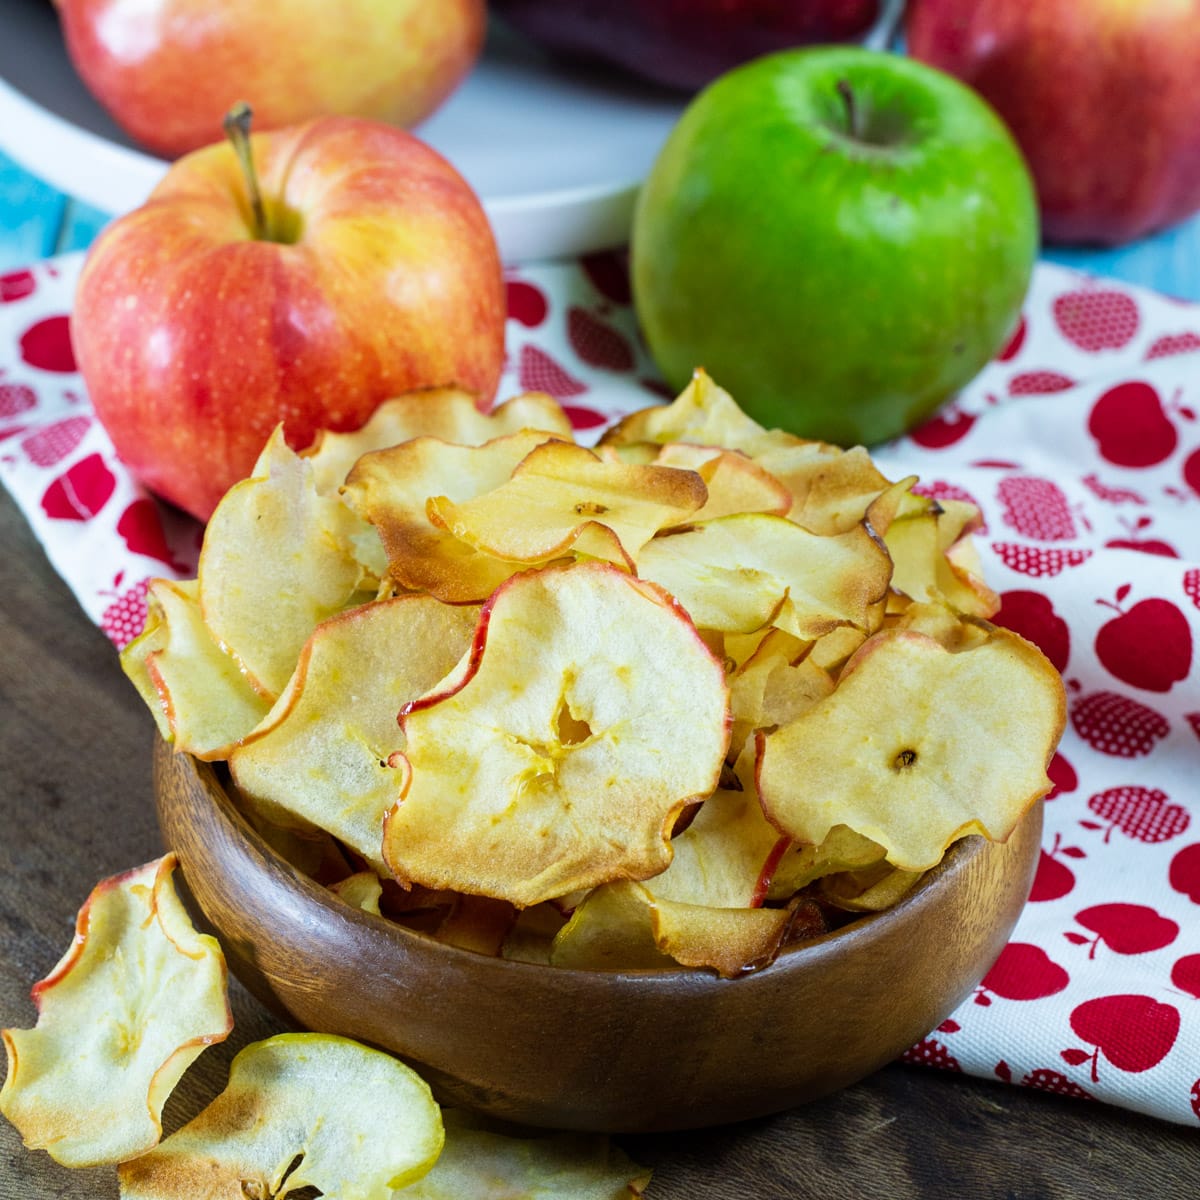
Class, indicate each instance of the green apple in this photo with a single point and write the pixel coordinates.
(842, 237)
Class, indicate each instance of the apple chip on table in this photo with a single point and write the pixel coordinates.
(685, 698)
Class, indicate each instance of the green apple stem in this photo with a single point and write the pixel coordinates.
(237, 130)
(853, 115)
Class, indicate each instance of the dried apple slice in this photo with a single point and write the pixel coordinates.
(730, 941)
(277, 560)
(739, 573)
(361, 890)
(831, 489)
(918, 746)
(563, 498)
(610, 931)
(736, 484)
(703, 414)
(480, 1162)
(135, 999)
(447, 413)
(591, 714)
(322, 752)
(390, 488)
(868, 889)
(300, 1110)
(842, 850)
(199, 696)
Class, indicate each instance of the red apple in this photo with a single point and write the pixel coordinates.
(197, 332)
(1101, 95)
(684, 43)
(1147, 646)
(169, 70)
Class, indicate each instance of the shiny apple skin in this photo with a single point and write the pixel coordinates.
(168, 70)
(684, 44)
(1103, 97)
(841, 287)
(195, 339)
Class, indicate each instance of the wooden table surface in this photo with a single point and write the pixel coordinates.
(75, 796)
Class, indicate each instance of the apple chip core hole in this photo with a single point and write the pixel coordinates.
(905, 759)
(570, 730)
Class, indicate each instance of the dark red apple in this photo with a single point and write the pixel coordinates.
(1101, 96)
(684, 43)
(1131, 426)
(1147, 646)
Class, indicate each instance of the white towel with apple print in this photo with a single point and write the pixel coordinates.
(1081, 444)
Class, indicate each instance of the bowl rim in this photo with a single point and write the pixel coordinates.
(958, 857)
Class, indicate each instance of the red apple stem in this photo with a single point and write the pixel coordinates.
(237, 130)
(853, 115)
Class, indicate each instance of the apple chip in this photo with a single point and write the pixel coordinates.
(300, 1110)
(322, 752)
(740, 573)
(611, 930)
(198, 694)
(390, 489)
(128, 1008)
(868, 889)
(703, 414)
(562, 498)
(918, 746)
(842, 850)
(591, 714)
(277, 560)
(361, 890)
(736, 484)
(447, 413)
(730, 941)
(481, 1163)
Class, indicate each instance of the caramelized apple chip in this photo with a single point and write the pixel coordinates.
(590, 714)
(279, 558)
(135, 999)
(449, 414)
(480, 1161)
(563, 499)
(918, 746)
(300, 1110)
(322, 753)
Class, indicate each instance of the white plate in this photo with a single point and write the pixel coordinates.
(556, 155)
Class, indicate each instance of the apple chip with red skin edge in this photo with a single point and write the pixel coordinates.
(590, 714)
(702, 414)
(918, 746)
(390, 489)
(446, 413)
(277, 560)
(128, 1008)
(199, 696)
(868, 889)
(563, 499)
(739, 573)
(735, 483)
(611, 930)
(482, 1162)
(300, 1110)
(842, 850)
(321, 753)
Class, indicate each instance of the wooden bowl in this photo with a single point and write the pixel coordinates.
(594, 1050)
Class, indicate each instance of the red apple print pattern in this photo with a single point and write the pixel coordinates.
(1032, 615)
(1117, 725)
(1196, 1099)
(16, 285)
(931, 1053)
(1096, 319)
(125, 617)
(81, 493)
(1191, 471)
(597, 343)
(949, 426)
(1131, 427)
(1173, 343)
(608, 273)
(140, 526)
(16, 398)
(1185, 975)
(1147, 646)
(1046, 1080)
(1038, 561)
(1022, 972)
(1054, 879)
(538, 372)
(1039, 383)
(526, 303)
(1184, 874)
(1141, 813)
(47, 345)
(1062, 775)
(1191, 585)
(1013, 348)
(1134, 1033)
(51, 445)
(1036, 508)
(1114, 495)
(1124, 929)
(1136, 539)
(584, 418)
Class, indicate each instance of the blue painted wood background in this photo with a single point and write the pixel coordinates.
(37, 221)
